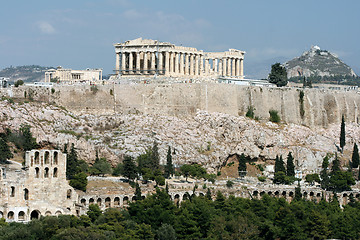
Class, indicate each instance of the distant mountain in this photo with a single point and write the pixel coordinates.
(317, 63)
(29, 73)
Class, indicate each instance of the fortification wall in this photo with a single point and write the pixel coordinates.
(321, 107)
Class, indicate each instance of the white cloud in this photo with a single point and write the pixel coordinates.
(46, 27)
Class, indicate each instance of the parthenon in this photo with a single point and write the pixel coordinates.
(146, 57)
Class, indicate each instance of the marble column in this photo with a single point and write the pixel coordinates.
(167, 63)
(233, 67)
(196, 64)
(182, 63)
(117, 64)
(153, 70)
(186, 64)
(191, 64)
(160, 63)
(138, 67)
(224, 63)
(123, 63)
(207, 66)
(220, 67)
(201, 63)
(145, 69)
(131, 60)
(176, 63)
(228, 67)
(171, 62)
(237, 66)
(242, 67)
(215, 65)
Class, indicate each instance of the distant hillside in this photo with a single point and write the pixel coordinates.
(29, 73)
(318, 63)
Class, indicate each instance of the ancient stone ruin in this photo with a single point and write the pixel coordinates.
(146, 57)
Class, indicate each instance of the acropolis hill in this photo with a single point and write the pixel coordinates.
(176, 104)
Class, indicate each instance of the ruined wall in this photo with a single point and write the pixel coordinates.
(321, 107)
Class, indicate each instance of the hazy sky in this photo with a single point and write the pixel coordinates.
(79, 34)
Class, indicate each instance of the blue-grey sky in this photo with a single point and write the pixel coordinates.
(79, 34)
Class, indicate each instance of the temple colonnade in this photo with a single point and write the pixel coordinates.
(149, 57)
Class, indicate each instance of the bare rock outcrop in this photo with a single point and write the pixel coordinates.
(205, 138)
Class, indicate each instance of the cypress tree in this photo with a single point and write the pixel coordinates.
(72, 163)
(324, 174)
(155, 159)
(65, 148)
(129, 168)
(335, 165)
(169, 168)
(208, 194)
(242, 165)
(342, 133)
(279, 164)
(355, 157)
(5, 152)
(137, 192)
(290, 167)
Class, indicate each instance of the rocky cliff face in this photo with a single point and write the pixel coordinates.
(317, 62)
(206, 138)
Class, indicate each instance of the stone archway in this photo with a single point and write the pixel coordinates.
(35, 215)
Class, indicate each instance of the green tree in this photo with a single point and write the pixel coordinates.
(72, 163)
(341, 181)
(94, 212)
(5, 152)
(117, 170)
(208, 194)
(79, 181)
(229, 184)
(342, 133)
(169, 168)
(166, 232)
(155, 159)
(278, 75)
(100, 167)
(185, 170)
(324, 175)
(298, 194)
(29, 142)
(335, 165)
(312, 178)
(279, 164)
(18, 83)
(160, 180)
(274, 116)
(355, 157)
(281, 178)
(137, 192)
(242, 165)
(129, 169)
(290, 167)
(250, 112)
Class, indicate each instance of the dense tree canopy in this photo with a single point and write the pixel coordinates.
(278, 75)
(157, 217)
